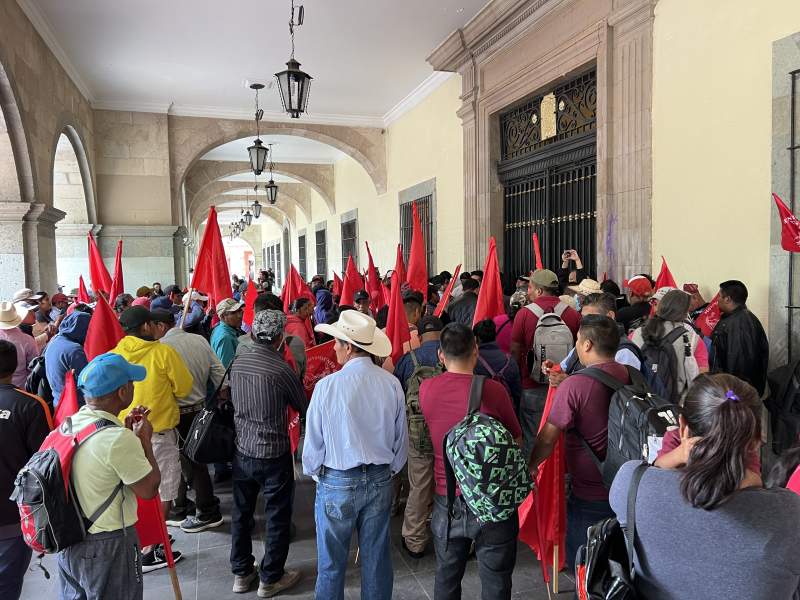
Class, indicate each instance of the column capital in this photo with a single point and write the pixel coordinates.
(13, 212)
(77, 229)
(138, 231)
(42, 213)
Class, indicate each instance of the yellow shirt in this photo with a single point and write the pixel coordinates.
(167, 380)
(109, 456)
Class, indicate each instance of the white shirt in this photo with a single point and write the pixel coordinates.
(357, 416)
(201, 361)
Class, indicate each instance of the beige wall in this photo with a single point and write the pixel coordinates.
(712, 139)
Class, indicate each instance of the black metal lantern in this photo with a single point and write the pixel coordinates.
(272, 191)
(248, 218)
(294, 85)
(257, 152)
(256, 209)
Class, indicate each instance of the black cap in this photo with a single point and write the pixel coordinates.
(360, 295)
(173, 289)
(134, 317)
(429, 324)
(163, 316)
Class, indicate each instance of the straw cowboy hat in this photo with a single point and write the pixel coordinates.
(11, 315)
(360, 330)
(586, 287)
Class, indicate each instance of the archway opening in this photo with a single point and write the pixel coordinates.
(241, 257)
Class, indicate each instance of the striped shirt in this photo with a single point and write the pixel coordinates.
(262, 386)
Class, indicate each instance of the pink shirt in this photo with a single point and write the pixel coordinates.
(504, 327)
(26, 352)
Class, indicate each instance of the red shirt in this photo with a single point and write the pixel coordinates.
(582, 404)
(525, 326)
(297, 327)
(444, 401)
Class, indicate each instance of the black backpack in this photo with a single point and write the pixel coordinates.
(661, 368)
(637, 422)
(783, 405)
(604, 567)
(37, 382)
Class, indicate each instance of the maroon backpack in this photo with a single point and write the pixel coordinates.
(50, 516)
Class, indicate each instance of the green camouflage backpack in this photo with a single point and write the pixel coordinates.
(488, 465)
(418, 434)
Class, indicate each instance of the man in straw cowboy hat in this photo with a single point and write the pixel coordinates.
(355, 441)
(11, 317)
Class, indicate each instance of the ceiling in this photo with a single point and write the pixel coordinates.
(196, 55)
(287, 148)
(248, 178)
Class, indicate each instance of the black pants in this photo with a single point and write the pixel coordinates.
(196, 476)
(495, 547)
(274, 478)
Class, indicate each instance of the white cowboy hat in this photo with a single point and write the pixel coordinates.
(586, 287)
(360, 330)
(11, 314)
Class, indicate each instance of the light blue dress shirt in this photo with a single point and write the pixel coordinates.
(623, 357)
(357, 416)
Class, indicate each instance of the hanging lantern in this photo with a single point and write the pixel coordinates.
(256, 209)
(293, 84)
(248, 217)
(258, 156)
(272, 191)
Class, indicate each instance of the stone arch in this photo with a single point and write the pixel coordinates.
(282, 207)
(71, 131)
(17, 182)
(319, 178)
(192, 137)
(215, 193)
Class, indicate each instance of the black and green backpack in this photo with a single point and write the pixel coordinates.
(489, 467)
(419, 436)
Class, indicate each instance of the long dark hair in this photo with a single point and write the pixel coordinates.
(674, 306)
(721, 410)
(783, 469)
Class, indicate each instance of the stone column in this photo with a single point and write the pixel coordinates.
(148, 253)
(476, 230)
(12, 250)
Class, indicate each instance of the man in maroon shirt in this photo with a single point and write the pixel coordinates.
(542, 290)
(444, 401)
(580, 408)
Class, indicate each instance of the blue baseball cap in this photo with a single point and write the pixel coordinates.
(164, 303)
(107, 373)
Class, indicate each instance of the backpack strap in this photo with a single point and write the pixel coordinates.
(502, 372)
(630, 526)
(560, 308)
(475, 393)
(499, 329)
(535, 309)
(83, 435)
(603, 377)
(414, 358)
(47, 414)
(488, 368)
(673, 335)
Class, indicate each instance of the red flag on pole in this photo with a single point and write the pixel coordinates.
(117, 283)
(709, 318)
(543, 515)
(152, 529)
(417, 262)
(83, 293)
(68, 403)
(399, 265)
(396, 322)
(101, 280)
(447, 293)
(537, 252)
(250, 302)
(490, 296)
(292, 416)
(790, 226)
(337, 285)
(104, 330)
(211, 269)
(320, 362)
(665, 278)
(295, 288)
(352, 283)
(373, 284)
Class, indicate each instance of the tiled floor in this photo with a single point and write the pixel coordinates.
(204, 571)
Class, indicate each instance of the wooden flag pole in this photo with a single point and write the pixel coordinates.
(187, 303)
(176, 587)
(555, 568)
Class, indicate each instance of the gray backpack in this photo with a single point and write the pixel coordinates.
(552, 339)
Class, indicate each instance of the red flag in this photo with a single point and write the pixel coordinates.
(417, 263)
(101, 280)
(292, 416)
(68, 403)
(352, 283)
(337, 285)
(709, 318)
(665, 278)
(295, 288)
(490, 296)
(104, 330)
(447, 292)
(151, 527)
(397, 323)
(117, 284)
(537, 251)
(399, 265)
(790, 226)
(374, 285)
(543, 515)
(249, 302)
(211, 269)
(320, 362)
(83, 293)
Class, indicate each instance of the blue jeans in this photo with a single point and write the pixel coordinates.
(582, 514)
(15, 555)
(357, 499)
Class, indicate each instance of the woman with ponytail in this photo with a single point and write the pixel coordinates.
(710, 529)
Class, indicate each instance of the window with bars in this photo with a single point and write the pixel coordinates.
(321, 247)
(274, 262)
(301, 256)
(349, 242)
(426, 219)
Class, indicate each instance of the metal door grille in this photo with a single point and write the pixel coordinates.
(349, 243)
(321, 247)
(301, 256)
(425, 211)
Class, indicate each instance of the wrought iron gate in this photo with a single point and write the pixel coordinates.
(548, 170)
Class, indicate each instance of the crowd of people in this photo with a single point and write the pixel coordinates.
(377, 436)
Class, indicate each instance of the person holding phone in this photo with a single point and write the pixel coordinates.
(570, 274)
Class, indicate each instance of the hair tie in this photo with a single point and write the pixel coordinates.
(731, 396)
